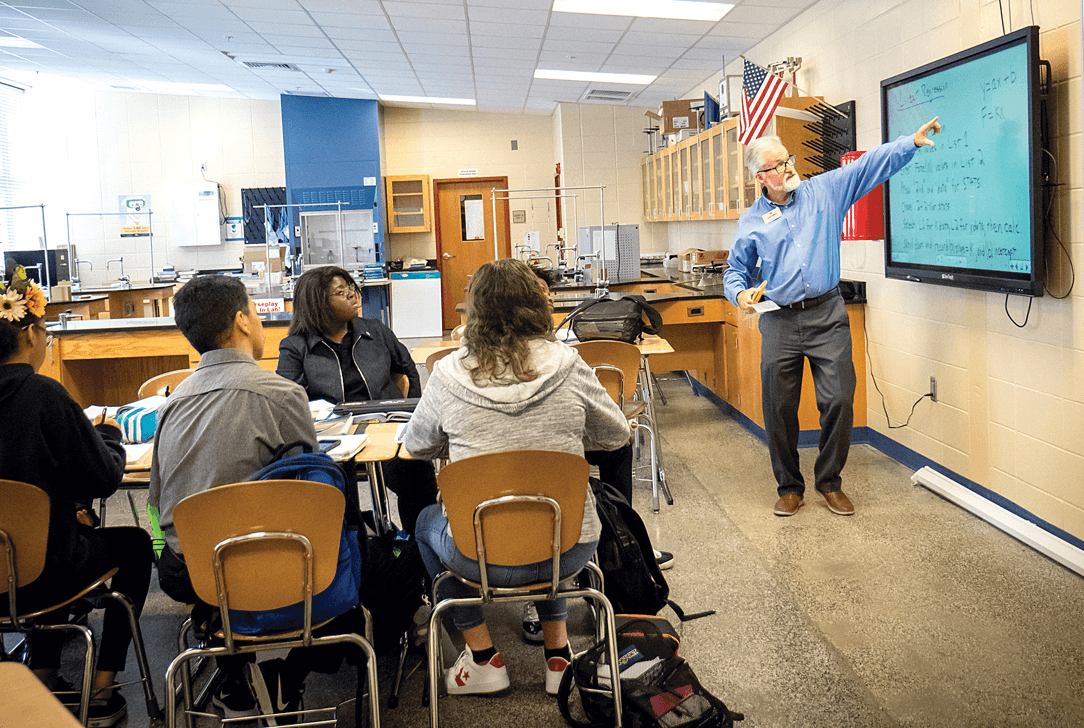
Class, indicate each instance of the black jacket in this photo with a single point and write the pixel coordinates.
(47, 441)
(311, 362)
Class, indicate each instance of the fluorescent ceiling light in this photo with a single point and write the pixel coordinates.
(632, 78)
(673, 9)
(10, 41)
(170, 87)
(428, 100)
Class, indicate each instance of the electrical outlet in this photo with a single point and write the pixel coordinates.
(933, 388)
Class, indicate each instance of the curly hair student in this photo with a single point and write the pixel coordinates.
(510, 386)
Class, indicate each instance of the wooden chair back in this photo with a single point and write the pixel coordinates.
(402, 381)
(516, 533)
(164, 383)
(625, 357)
(457, 332)
(24, 523)
(432, 359)
(263, 574)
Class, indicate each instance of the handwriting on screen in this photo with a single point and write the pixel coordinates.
(965, 203)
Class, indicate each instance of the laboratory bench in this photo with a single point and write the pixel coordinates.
(103, 362)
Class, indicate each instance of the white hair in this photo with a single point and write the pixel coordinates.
(758, 151)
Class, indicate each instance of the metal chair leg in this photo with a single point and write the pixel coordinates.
(153, 711)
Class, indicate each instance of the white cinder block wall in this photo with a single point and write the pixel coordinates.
(80, 150)
(1010, 414)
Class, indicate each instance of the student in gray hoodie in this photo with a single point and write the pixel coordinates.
(510, 386)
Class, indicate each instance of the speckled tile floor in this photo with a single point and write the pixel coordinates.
(911, 613)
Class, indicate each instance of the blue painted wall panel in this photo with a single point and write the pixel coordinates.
(332, 145)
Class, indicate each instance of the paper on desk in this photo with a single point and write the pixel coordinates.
(400, 431)
(321, 409)
(348, 447)
(135, 454)
(95, 411)
(765, 306)
(335, 427)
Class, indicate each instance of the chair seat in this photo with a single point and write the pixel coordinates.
(100, 581)
(291, 634)
(633, 409)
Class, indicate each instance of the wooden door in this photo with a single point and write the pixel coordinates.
(464, 217)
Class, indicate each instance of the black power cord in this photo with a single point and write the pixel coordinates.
(884, 407)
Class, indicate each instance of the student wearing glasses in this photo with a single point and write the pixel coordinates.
(792, 232)
(338, 356)
(47, 441)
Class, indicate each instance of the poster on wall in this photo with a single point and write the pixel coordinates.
(135, 219)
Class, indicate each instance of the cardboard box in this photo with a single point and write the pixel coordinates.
(257, 254)
(697, 256)
(678, 115)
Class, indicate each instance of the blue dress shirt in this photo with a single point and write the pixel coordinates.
(797, 244)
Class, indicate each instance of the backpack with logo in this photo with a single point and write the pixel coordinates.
(633, 583)
(392, 586)
(614, 319)
(342, 594)
(658, 688)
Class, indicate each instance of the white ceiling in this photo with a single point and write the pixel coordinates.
(485, 50)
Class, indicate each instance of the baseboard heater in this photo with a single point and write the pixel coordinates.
(1019, 528)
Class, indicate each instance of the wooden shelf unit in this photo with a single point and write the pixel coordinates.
(408, 203)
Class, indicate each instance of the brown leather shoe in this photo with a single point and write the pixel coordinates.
(788, 505)
(839, 503)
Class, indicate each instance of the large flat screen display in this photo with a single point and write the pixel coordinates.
(968, 211)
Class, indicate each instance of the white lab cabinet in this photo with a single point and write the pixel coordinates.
(197, 215)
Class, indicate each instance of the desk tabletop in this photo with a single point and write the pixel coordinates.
(654, 345)
(381, 445)
(26, 703)
(420, 353)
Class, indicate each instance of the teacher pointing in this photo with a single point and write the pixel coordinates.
(793, 233)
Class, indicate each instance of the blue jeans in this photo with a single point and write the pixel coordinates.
(438, 550)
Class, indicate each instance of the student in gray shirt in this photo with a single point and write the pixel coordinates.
(220, 426)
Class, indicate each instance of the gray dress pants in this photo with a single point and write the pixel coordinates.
(821, 334)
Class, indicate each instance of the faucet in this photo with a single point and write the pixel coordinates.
(76, 280)
(122, 278)
(67, 316)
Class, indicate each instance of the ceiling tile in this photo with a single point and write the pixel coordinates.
(435, 12)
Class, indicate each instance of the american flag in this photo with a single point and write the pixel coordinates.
(761, 92)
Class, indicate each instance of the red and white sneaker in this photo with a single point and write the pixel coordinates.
(555, 670)
(466, 677)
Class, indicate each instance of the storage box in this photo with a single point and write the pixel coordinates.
(697, 256)
(254, 254)
(678, 115)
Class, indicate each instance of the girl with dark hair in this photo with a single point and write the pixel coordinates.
(48, 442)
(510, 386)
(338, 356)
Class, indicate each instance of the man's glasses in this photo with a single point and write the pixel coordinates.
(781, 167)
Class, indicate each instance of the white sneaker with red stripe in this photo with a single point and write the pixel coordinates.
(555, 670)
(466, 677)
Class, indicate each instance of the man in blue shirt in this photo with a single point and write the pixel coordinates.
(793, 233)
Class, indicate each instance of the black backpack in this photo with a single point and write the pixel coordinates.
(658, 688)
(392, 586)
(633, 582)
(614, 319)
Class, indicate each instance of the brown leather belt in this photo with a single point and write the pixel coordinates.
(815, 301)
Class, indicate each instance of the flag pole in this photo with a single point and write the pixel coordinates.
(800, 90)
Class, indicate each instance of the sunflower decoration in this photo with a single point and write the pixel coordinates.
(20, 296)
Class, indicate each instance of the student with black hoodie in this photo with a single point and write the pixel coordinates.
(47, 441)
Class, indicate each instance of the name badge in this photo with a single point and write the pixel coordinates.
(772, 216)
